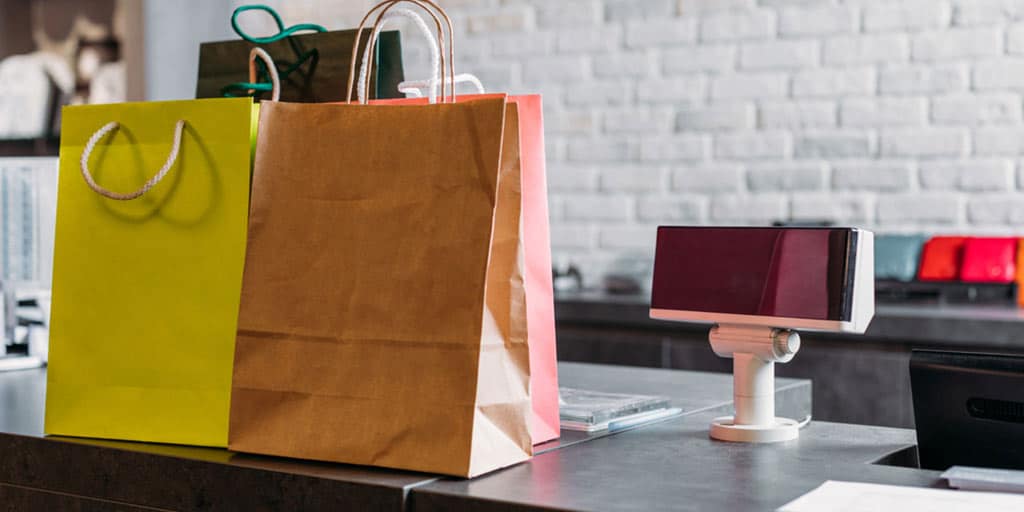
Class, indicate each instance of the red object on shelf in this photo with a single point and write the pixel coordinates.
(941, 258)
(989, 260)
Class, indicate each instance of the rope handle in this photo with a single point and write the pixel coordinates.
(275, 79)
(102, 132)
(252, 86)
(282, 31)
(384, 7)
(441, 40)
(301, 56)
(435, 54)
(412, 87)
(371, 43)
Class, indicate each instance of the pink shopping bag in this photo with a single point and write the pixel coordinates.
(540, 305)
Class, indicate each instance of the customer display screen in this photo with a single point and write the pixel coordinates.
(779, 272)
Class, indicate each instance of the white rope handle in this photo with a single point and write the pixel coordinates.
(435, 56)
(412, 87)
(109, 127)
(275, 80)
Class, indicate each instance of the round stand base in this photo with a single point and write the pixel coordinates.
(784, 429)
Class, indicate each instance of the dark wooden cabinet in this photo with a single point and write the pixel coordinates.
(857, 379)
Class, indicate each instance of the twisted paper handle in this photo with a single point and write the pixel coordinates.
(435, 54)
(412, 87)
(384, 7)
(103, 131)
(275, 79)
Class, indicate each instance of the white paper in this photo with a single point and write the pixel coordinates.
(835, 496)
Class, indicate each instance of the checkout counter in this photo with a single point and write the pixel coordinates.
(671, 465)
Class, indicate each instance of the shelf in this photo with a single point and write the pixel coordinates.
(30, 147)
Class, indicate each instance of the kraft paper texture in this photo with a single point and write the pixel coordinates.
(382, 318)
(536, 239)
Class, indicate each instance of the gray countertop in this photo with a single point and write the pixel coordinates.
(932, 324)
(22, 402)
(675, 466)
(187, 478)
(170, 476)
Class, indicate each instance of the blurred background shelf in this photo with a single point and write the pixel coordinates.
(47, 146)
(857, 379)
(59, 52)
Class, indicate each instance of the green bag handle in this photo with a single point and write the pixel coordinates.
(282, 31)
(252, 87)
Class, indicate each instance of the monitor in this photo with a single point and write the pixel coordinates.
(968, 409)
(798, 278)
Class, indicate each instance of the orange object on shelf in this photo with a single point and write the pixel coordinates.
(941, 258)
(989, 260)
(1020, 272)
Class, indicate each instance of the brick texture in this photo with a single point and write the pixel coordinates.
(895, 115)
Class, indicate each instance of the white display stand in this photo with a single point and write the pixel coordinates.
(754, 351)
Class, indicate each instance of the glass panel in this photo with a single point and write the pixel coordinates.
(781, 272)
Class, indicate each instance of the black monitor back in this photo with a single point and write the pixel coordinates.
(969, 409)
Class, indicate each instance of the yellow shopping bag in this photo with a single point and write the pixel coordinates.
(151, 223)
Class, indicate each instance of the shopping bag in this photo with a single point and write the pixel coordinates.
(148, 268)
(536, 240)
(382, 319)
(316, 79)
(535, 233)
(377, 323)
(540, 295)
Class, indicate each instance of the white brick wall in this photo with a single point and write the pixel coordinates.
(956, 44)
(740, 24)
(817, 21)
(866, 49)
(873, 175)
(906, 16)
(798, 114)
(897, 115)
(721, 116)
(868, 112)
(834, 82)
(924, 79)
(780, 54)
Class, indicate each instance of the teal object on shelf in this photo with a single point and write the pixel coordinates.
(897, 256)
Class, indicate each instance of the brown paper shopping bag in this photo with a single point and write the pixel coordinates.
(382, 315)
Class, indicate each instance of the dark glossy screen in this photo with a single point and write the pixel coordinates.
(784, 272)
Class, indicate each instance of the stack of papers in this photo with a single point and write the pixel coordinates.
(985, 479)
(594, 411)
(857, 497)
